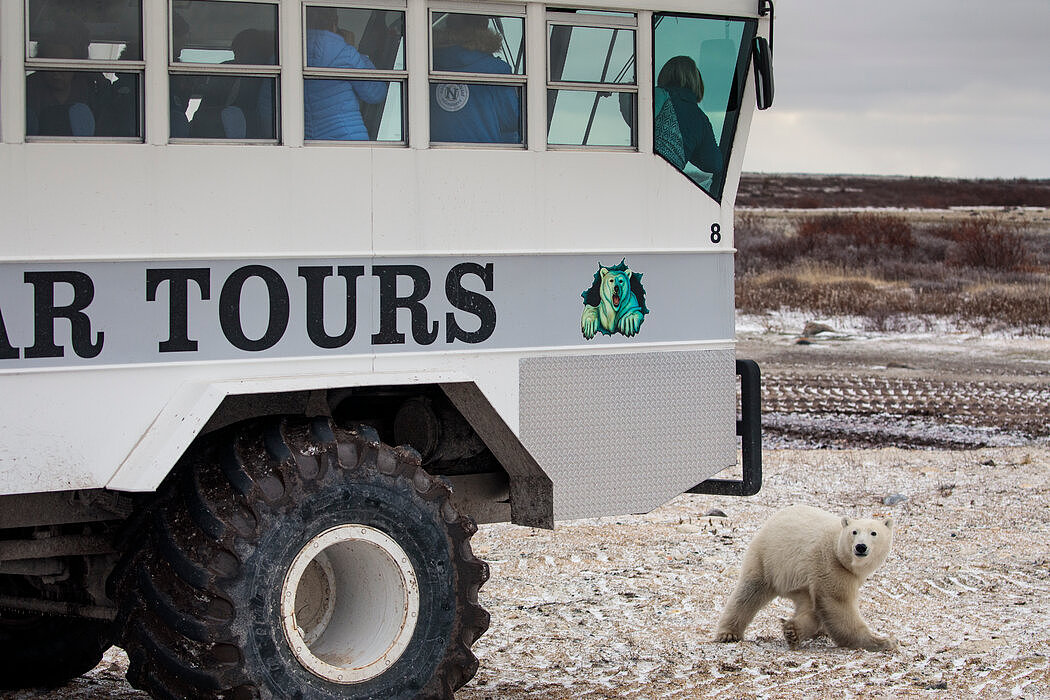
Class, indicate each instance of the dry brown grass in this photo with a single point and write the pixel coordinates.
(982, 272)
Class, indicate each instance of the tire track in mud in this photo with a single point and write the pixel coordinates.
(838, 409)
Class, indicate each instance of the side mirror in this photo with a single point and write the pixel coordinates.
(763, 59)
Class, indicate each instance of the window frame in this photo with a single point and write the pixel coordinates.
(628, 21)
(88, 65)
(239, 70)
(373, 75)
(515, 80)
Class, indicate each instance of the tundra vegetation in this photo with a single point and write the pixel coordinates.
(980, 269)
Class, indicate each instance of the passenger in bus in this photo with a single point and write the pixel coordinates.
(682, 132)
(472, 113)
(254, 96)
(120, 116)
(238, 107)
(333, 109)
(60, 102)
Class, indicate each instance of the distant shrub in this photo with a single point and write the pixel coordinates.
(1026, 307)
(871, 231)
(988, 243)
(808, 202)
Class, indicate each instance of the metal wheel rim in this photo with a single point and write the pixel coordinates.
(349, 604)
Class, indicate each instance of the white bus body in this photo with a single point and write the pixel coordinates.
(159, 288)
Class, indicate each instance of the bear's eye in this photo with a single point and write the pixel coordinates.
(874, 534)
(854, 532)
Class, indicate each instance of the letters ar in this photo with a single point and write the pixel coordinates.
(46, 311)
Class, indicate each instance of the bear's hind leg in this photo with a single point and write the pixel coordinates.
(845, 626)
(750, 596)
(805, 624)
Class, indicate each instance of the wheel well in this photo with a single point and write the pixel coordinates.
(457, 432)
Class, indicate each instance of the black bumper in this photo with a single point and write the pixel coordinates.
(749, 429)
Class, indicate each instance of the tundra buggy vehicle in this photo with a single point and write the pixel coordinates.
(293, 293)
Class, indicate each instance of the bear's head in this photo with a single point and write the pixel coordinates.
(616, 286)
(864, 543)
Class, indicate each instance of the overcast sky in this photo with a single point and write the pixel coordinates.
(956, 88)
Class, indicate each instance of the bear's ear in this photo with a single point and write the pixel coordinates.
(604, 273)
(888, 522)
(628, 273)
(845, 522)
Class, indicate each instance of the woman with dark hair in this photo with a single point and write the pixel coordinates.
(682, 132)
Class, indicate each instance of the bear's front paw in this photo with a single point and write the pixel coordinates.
(883, 644)
(724, 636)
(589, 322)
(630, 323)
(790, 632)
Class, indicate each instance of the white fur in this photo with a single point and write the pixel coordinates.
(810, 557)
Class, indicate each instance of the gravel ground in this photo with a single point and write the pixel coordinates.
(625, 607)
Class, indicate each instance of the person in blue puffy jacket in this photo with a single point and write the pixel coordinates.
(333, 110)
(472, 113)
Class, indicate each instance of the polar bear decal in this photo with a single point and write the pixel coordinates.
(614, 303)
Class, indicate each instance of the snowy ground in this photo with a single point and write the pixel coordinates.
(625, 607)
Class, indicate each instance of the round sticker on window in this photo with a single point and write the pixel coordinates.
(453, 98)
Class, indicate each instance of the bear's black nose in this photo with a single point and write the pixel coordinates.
(861, 549)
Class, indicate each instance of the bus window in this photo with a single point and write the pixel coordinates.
(355, 74)
(84, 69)
(700, 67)
(477, 78)
(224, 70)
(592, 87)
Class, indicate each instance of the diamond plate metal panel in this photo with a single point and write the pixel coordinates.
(625, 433)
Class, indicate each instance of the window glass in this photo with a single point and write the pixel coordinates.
(344, 45)
(82, 103)
(591, 118)
(354, 110)
(600, 55)
(206, 31)
(468, 43)
(700, 67)
(223, 107)
(239, 103)
(101, 101)
(376, 35)
(482, 110)
(592, 54)
(107, 30)
(475, 113)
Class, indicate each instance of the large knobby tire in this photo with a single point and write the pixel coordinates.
(42, 651)
(291, 559)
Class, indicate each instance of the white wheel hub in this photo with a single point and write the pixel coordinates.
(349, 603)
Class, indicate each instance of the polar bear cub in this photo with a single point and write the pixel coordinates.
(818, 561)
